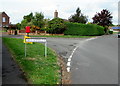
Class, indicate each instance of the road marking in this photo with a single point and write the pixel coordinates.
(68, 69)
(68, 64)
(69, 59)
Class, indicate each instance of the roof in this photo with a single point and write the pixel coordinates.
(4, 13)
(115, 27)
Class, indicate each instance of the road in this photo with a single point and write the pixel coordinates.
(96, 62)
(93, 61)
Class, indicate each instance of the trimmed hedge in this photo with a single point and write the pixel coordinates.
(110, 32)
(83, 29)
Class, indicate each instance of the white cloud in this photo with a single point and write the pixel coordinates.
(16, 9)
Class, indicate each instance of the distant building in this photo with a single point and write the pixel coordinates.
(4, 19)
(55, 14)
(114, 28)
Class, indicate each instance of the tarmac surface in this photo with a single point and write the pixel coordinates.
(11, 73)
(96, 61)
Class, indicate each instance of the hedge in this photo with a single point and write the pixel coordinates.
(110, 32)
(83, 29)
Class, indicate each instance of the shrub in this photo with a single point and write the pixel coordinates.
(56, 26)
(83, 29)
(110, 32)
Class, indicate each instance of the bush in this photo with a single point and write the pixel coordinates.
(83, 29)
(56, 26)
(110, 32)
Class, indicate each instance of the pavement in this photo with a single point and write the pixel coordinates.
(11, 73)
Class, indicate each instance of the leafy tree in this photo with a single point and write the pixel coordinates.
(24, 23)
(78, 17)
(18, 25)
(38, 19)
(29, 17)
(103, 18)
(56, 26)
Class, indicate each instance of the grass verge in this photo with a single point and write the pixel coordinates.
(62, 36)
(38, 69)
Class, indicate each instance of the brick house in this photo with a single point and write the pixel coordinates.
(4, 19)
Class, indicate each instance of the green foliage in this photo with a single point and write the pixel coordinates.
(110, 32)
(29, 17)
(78, 17)
(83, 29)
(18, 25)
(38, 19)
(24, 23)
(56, 26)
(30, 20)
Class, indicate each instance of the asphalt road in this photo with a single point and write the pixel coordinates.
(93, 62)
(96, 62)
(64, 46)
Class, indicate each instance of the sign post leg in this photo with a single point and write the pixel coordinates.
(46, 49)
(25, 49)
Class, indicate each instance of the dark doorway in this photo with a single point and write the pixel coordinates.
(15, 32)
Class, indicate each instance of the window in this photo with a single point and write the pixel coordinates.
(4, 20)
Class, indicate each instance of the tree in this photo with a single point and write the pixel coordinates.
(29, 17)
(38, 19)
(56, 26)
(103, 18)
(78, 17)
(18, 25)
(24, 23)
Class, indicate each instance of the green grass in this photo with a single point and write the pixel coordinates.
(38, 69)
(2, 31)
(115, 32)
(63, 36)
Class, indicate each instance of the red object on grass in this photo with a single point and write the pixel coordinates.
(27, 29)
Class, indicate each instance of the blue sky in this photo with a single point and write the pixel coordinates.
(16, 9)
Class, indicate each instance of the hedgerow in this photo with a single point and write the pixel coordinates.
(83, 29)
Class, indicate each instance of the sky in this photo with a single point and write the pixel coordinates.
(16, 9)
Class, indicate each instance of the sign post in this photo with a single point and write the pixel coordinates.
(25, 49)
(39, 40)
(46, 49)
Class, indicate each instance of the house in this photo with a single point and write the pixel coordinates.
(4, 20)
(115, 28)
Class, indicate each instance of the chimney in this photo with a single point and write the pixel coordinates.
(55, 14)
